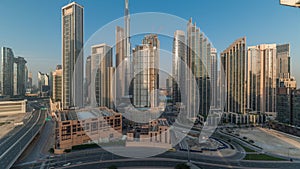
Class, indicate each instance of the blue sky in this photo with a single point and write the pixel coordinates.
(33, 29)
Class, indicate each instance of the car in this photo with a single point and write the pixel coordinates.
(172, 150)
(67, 164)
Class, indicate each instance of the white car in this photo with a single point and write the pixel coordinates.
(67, 164)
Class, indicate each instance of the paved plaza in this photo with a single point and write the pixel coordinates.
(273, 141)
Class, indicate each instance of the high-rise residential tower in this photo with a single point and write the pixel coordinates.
(178, 69)
(29, 83)
(7, 71)
(87, 92)
(57, 84)
(101, 69)
(283, 61)
(261, 86)
(214, 77)
(26, 78)
(146, 69)
(15, 79)
(198, 61)
(21, 77)
(72, 55)
(43, 81)
(233, 61)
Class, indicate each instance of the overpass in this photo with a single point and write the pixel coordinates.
(12, 147)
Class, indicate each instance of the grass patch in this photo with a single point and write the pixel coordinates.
(247, 149)
(262, 157)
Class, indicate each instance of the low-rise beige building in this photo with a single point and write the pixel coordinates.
(76, 127)
(154, 134)
(12, 107)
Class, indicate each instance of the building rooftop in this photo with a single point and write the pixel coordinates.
(86, 114)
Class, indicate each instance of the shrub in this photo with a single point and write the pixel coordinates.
(182, 166)
(51, 150)
(67, 150)
(112, 167)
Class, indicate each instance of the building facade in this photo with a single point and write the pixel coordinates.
(214, 77)
(101, 67)
(87, 84)
(285, 100)
(7, 72)
(262, 77)
(57, 84)
(86, 126)
(12, 107)
(154, 134)
(121, 63)
(43, 82)
(284, 105)
(29, 83)
(178, 67)
(72, 55)
(296, 108)
(233, 62)
(198, 61)
(283, 61)
(21, 76)
(146, 69)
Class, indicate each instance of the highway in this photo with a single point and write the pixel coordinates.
(99, 158)
(12, 147)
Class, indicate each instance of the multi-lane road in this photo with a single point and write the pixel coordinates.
(99, 158)
(12, 147)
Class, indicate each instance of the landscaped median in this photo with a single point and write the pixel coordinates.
(262, 157)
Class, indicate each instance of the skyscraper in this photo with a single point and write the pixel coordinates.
(296, 107)
(233, 61)
(127, 47)
(169, 85)
(29, 83)
(146, 69)
(15, 79)
(178, 69)
(283, 61)
(101, 67)
(214, 77)
(120, 62)
(87, 80)
(7, 71)
(21, 77)
(198, 61)
(261, 76)
(26, 78)
(57, 84)
(43, 82)
(72, 55)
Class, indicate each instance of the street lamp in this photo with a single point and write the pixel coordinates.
(293, 3)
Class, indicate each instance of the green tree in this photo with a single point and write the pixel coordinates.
(112, 167)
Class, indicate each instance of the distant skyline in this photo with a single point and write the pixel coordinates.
(33, 30)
